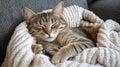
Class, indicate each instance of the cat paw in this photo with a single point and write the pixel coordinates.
(37, 48)
(51, 49)
(59, 57)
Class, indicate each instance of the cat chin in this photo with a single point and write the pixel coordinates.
(49, 39)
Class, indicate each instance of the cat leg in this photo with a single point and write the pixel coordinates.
(51, 48)
(37, 48)
(72, 49)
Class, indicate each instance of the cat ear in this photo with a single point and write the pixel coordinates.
(27, 13)
(58, 9)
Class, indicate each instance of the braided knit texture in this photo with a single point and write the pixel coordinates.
(105, 34)
(109, 35)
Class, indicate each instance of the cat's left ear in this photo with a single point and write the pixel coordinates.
(58, 9)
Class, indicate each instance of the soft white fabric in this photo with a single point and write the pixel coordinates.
(109, 35)
(19, 52)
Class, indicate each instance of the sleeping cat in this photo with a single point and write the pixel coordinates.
(53, 33)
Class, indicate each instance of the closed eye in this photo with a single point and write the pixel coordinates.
(38, 29)
(55, 26)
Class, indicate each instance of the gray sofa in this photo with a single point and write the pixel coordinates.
(106, 9)
(11, 15)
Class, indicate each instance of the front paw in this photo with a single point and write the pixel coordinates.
(59, 57)
(37, 48)
(52, 49)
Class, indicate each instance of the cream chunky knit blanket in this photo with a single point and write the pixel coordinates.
(105, 54)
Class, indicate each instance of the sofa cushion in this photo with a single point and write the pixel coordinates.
(106, 9)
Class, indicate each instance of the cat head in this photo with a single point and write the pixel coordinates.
(46, 26)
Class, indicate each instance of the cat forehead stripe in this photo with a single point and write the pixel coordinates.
(45, 18)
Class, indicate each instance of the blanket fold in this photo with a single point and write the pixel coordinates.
(109, 35)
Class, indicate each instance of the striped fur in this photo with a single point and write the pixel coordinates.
(52, 31)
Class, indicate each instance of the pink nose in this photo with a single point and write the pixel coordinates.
(48, 32)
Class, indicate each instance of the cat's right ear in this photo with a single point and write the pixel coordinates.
(28, 14)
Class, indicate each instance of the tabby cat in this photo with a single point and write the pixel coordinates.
(53, 33)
